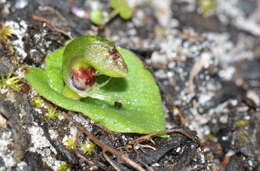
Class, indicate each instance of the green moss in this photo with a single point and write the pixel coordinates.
(5, 33)
(51, 113)
(208, 7)
(37, 102)
(88, 147)
(210, 137)
(13, 82)
(69, 143)
(63, 166)
(243, 137)
(240, 123)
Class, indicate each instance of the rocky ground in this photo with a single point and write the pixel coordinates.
(207, 65)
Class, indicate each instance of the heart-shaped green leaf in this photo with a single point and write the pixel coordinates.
(141, 111)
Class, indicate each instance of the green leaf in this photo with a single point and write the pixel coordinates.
(141, 111)
(53, 67)
(122, 6)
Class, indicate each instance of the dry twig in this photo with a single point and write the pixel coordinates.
(49, 23)
(47, 8)
(144, 138)
(110, 161)
(90, 163)
(106, 148)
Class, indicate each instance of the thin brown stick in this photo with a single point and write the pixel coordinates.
(111, 150)
(193, 36)
(90, 163)
(44, 20)
(110, 161)
(106, 147)
(146, 166)
(148, 137)
(148, 146)
(48, 8)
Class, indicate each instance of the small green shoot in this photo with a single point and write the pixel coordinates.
(122, 8)
(97, 17)
(37, 102)
(69, 143)
(51, 113)
(11, 82)
(88, 147)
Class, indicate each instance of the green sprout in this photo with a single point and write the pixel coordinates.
(208, 7)
(12, 82)
(37, 102)
(97, 17)
(69, 143)
(5, 33)
(88, 147)
(122, 8)
(51, 113)
(63, 166)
